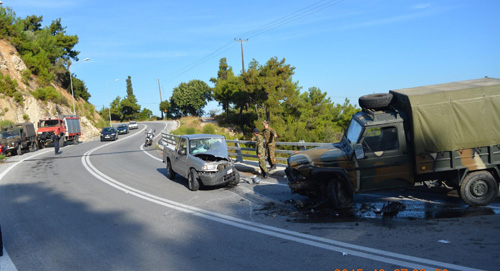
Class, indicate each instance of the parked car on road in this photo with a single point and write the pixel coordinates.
(132, 125)
(109, 133)
(122, 129)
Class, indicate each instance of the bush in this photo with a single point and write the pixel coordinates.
(49, 94)
(26, 76)
(7, 85)
(208, 129)
(6, 123)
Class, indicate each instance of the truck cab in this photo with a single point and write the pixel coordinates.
(372, 155)
(380, 150)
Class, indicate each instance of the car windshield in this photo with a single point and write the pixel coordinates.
(212, 146)
(122, 126)
(132, 122)
(353, 132)
(108, 129)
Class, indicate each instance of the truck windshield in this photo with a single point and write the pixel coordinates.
(49, 123)
(354, 131)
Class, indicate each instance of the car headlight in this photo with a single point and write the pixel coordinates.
(209, 167)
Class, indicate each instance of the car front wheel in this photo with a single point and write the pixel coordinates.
(193, 182)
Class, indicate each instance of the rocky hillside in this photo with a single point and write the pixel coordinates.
(32, 110)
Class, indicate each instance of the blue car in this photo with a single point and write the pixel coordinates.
(109, 133)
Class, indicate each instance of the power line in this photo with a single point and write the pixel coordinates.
(294, 16)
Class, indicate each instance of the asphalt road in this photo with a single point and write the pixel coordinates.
(109, 206)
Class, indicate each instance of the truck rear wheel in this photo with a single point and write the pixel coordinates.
(479, 188)
(19, 149)
(339, 195)
(193, 182)
(375, 101)
(75, 140)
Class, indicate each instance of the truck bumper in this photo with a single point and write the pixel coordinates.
(218, 178)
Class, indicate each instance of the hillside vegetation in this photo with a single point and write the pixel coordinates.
(34, 73)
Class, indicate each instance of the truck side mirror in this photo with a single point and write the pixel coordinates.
(182, 151)
(358, 151)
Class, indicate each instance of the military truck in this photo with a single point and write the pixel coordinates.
(15, 138)
(446, 134)
(69, 125)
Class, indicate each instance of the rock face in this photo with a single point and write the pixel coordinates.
(32, 109)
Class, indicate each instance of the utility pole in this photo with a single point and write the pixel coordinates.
(242, 59)
(159, 88)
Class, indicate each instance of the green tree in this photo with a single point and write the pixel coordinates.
(188, 99)
(164, 106)
(116, 110)
(7, 22)
(226, 87)
(129, 107)
(145, 114)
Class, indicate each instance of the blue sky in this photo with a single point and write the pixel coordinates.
(346, 48)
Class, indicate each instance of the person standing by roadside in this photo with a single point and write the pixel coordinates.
(261, 152)
(270, 136)
(55, 139)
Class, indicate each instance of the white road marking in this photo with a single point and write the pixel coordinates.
(319, 242)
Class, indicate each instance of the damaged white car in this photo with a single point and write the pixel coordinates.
(202, 159)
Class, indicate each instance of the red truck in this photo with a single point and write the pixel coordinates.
(69, 125)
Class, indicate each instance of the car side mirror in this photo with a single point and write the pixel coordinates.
(182, 151)
(358, 151)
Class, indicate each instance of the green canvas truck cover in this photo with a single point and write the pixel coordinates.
(452, 116)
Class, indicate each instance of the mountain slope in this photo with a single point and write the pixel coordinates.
(32, 109)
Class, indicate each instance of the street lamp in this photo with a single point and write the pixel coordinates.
(107, 98)
(71, 83)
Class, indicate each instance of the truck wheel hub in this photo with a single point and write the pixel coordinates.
(479, 188)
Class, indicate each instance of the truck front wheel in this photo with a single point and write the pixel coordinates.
(339, 195)
(479, 188)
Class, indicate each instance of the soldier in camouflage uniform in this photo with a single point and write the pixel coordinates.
(270, 137)
(261, 152)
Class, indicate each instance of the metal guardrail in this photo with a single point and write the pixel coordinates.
(236, 149)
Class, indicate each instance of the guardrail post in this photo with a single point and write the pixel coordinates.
(302, 147)
(239, 156)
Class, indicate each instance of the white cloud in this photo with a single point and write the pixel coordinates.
(422, 6)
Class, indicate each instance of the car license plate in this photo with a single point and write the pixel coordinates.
(229, 171)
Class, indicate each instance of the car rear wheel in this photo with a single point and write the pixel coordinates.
(170, 170)
(193, 181)
(479, 188)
